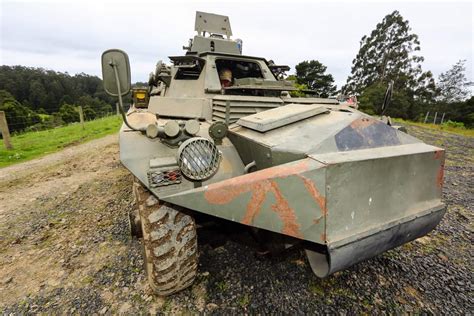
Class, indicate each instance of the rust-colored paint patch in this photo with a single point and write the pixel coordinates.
(259, 194)
(281, 207)
(440, 176)
(224, 195)
(260, 183)
(362, 123)
(313, 191)
(438, 154)
(225, 191)
(286, 213)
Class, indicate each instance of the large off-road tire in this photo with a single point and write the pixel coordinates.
(134, 225)
(170, 244)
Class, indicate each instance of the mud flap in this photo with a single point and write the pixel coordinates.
(342, 256)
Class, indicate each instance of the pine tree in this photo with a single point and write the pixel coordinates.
(313, 74)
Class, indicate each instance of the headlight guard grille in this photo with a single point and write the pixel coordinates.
(198, 158)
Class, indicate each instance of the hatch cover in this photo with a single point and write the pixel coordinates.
(281, 116)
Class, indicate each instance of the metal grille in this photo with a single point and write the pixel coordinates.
(163, 178)
(198, 158)
(241, 106)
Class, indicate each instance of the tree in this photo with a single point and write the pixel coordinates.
(39, 88)
(371, 100)
(469, 117)
(300, 87)
(388, 53)
(312, 74)
(37, 94)
(68, 113)
(65, 99)
(89, 114)
(18, 116)
(99, 107)
(453, 84)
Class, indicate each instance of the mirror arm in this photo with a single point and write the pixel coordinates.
(387, 97)
(122, 111)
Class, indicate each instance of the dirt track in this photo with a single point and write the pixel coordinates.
(64, 248)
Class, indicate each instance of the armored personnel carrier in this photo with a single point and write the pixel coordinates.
(218, 133)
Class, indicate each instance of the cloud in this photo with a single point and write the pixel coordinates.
(71, 36)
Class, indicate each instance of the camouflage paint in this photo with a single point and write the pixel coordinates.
(294, 192)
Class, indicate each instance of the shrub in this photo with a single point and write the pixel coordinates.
(68, 113)
(454, 124)
(18, 116)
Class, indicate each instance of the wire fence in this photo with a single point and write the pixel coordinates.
(19, 123)
(435, 118)
(49, 121)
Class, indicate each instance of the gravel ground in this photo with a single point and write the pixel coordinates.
(65, 248)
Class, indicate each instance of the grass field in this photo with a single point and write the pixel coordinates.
(31, 145)
(455, 130)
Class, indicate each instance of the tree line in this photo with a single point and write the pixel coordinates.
(36, 98)
(390, 53)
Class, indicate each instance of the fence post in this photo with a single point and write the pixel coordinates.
(434, 120)
(442, 117)
(117, 108)
(426, 117)
(5, 131)
(81, 116)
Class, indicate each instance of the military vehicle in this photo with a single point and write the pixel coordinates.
(218, 133)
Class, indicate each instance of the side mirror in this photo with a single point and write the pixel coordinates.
(116, 77)
(116, 72)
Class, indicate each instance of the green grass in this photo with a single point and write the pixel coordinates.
(455, 130)
(32, 145)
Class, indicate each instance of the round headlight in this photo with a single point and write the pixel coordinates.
(198, 158)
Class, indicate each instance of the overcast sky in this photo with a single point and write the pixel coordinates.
(70, 36)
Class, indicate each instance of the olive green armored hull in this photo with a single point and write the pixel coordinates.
(219, 134)
(339, 179)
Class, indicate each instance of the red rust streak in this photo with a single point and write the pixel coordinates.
(225, 195)
(286, 213)
(313, 191)
(259, 194)
(225, 191)
(362, 123)
(260, 183)
(440, 177)
(438, 154)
